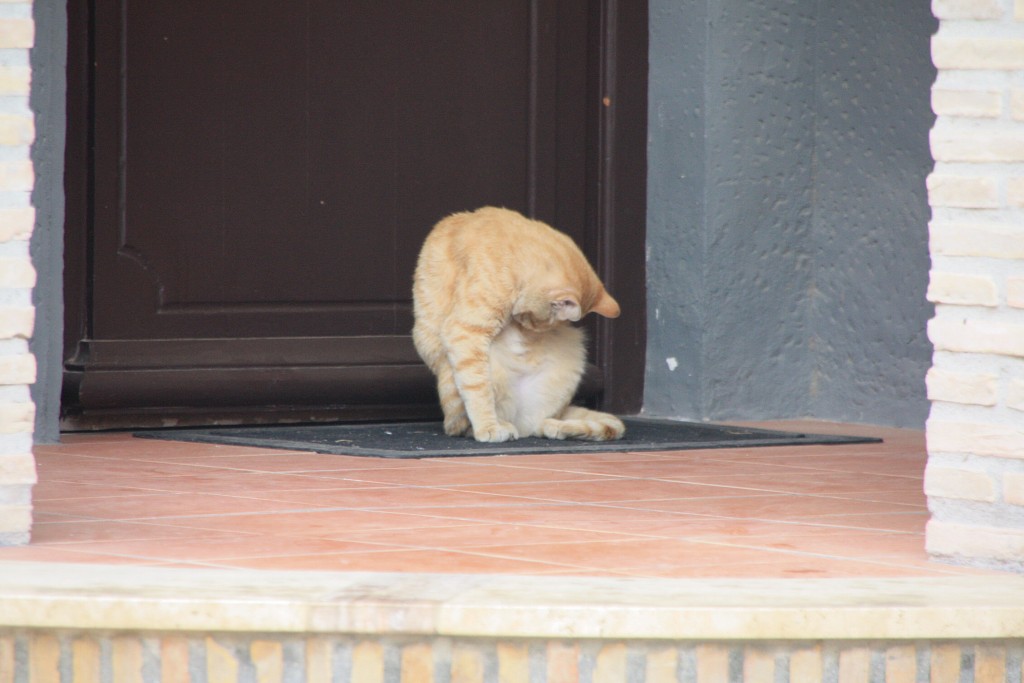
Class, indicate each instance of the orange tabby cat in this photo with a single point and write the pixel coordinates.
(494, 297)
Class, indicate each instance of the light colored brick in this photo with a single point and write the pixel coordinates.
(17, 443)
(126, 659)
(1013, 488)
(977, 53)
(1014, 397)
(15, 80)
(221, 662)
(16, 223)
(1017, 104)
(16, 495)
(962, 289)
(967, 9)
(17, 322)
(990, 240)
(969, 103)
(17, 273)
(1015, 191)
(174, 666)
(15, 538)
(854, 665)
(17, 470)
(967, 192)
(952, 145)
(16, 33)
(417, 664)
(806, 664)
(16, 130)
(513, 663)
(319, 660)
(758, 665)
(85, 659)
(368, 662)
(44, 657)
(268, 660)
(16, 176)
(950, 482)
(8, 660)
(1015, 292)
(901, 664)
(970, 541)
(945, 664)
(610, 666)
(19, 369)
(976, 336)
(989, 663)
(15, 518)
(712, 663)
(971, 388)
(661, 666)
(563, 665)
(467, 666)
(975, 438)
(16, 417)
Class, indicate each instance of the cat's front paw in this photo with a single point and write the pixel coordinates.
(496, 433)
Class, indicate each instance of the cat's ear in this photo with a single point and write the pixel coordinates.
(566, 307)
(606, 305)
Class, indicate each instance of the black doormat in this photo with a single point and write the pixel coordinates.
(428, 440)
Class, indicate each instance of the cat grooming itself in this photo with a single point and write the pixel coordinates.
(494, 296)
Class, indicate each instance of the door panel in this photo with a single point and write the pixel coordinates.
(281, 182)
(260, 175)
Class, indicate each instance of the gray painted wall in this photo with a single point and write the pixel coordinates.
(49, 59)
(787, 212)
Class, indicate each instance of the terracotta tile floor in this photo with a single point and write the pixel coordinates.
(811, 511)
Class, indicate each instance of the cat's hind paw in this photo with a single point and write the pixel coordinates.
(497, 433)
(586, 425)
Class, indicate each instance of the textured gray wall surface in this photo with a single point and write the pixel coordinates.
(787, 212)
(871, 212)
(48, 60)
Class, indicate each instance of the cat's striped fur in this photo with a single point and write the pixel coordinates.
(495, 295)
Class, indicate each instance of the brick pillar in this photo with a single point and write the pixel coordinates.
(975, 474)
(17, 276)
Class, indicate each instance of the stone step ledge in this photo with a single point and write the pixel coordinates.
(125, 598)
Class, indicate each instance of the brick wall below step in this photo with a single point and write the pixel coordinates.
(46, 657)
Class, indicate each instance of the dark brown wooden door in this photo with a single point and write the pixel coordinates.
(249, 183)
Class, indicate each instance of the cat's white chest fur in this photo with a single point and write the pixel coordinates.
(534, 374)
